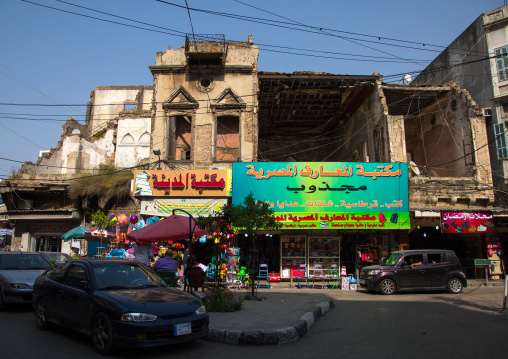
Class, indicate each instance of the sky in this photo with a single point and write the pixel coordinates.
(53, 56)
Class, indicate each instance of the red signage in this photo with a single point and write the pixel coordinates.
(467, 222)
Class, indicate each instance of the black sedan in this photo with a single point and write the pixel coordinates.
(120, 303)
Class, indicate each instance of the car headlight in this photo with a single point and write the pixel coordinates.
(138, 317)
(201, 310)
(21, 286)
(373, 272)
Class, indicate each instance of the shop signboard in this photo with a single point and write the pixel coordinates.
(194, 206)
(182, 183)
(467, 222)
(328, 195)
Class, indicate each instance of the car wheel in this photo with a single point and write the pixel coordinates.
(387, 287)
(102, 334)
(41, 315)
(3, 305)
(455, 286)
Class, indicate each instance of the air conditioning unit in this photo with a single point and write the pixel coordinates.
(487, 112)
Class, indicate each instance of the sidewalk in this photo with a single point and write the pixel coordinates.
(280, 315)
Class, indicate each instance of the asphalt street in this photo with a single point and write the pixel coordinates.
(360, 325)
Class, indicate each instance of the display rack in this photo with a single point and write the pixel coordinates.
(293, 253)
(324, 251)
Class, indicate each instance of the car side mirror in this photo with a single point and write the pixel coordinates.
(84, 284)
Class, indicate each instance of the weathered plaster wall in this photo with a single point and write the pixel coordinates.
(133, 141)
(109, 101)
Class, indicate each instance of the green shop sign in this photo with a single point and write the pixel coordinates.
(328, 195)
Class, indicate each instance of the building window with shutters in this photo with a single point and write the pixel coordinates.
(502, 62)
(502, 150)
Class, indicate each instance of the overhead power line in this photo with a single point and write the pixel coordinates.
(315, 29)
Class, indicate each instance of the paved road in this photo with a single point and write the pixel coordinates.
(362, 325)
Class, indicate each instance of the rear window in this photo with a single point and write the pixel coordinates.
(23, 262)
(436, 258)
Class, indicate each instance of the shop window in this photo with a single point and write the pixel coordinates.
(502, 63)
(499, 132)
(227, 145)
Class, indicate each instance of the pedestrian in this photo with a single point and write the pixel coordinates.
(185, 258)
(143, 253)
(166, 263)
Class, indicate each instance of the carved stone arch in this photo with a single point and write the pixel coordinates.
(127, 140)
(144, 139)
(180, 99)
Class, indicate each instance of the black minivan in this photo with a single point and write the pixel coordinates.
(412, 270)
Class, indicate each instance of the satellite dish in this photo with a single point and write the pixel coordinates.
(414, 168)
(408, 78)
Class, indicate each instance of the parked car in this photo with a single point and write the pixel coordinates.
(60, 258)
(18, 272)
(120, 303)
(412, 270)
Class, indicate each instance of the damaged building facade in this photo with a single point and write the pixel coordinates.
(210, 107)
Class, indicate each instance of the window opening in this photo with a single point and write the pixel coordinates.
(499, 131)
(502, 62)
(227, 139)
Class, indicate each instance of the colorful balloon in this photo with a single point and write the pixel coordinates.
(123, 220)
(134, 219)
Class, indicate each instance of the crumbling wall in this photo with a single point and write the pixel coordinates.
(439, 138)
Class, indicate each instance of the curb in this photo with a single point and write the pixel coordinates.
(283, 335)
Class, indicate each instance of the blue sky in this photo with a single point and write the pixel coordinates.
(54, 57)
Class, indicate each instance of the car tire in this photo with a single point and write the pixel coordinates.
(3, 305)
(387, 287)
(102, 334)
(455, 286)
(41, 315)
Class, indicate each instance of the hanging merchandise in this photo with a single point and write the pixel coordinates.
(123, 220)
(133, 219)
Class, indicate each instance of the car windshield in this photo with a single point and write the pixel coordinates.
(23, 262)
(124, 276)
(58, 256)
(392, 259)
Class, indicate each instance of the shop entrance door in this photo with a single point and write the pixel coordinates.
(48, 244)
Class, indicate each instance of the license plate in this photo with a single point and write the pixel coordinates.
(183, 328)
(362, 281)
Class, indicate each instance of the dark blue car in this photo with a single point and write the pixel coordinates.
(120, 303)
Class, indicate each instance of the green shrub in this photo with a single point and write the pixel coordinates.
(222, 300)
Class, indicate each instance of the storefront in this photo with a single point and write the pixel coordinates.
(471, 235)
(197, 192)
(330, 213)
